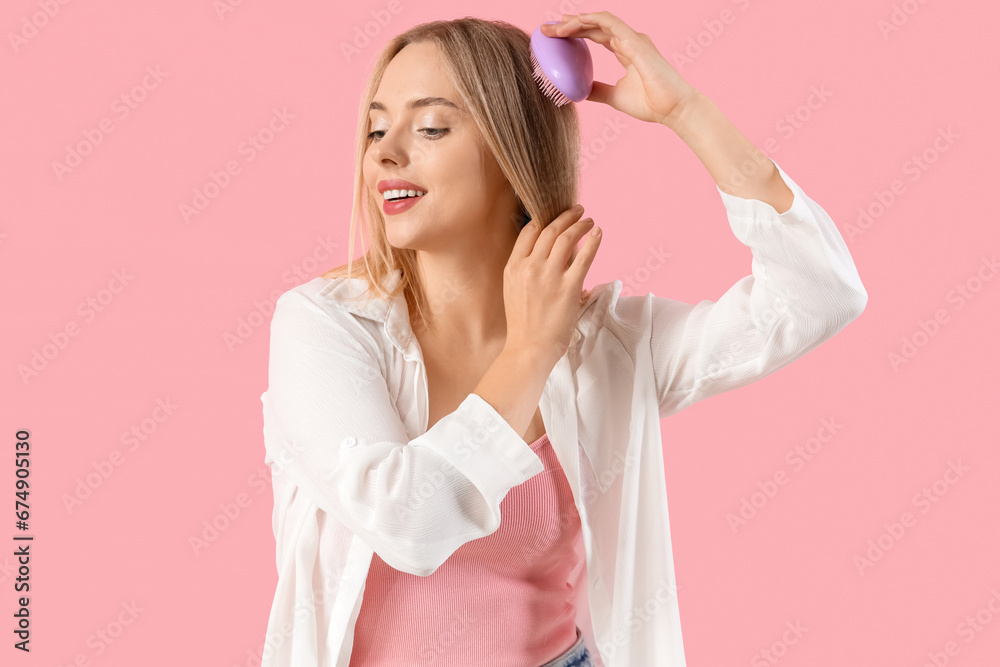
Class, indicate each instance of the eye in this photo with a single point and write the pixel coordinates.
(439, 132)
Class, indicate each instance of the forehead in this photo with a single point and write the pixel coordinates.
(415, 78)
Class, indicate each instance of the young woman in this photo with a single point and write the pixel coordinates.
(465, 443)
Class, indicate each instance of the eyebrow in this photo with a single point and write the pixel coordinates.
(418, 102)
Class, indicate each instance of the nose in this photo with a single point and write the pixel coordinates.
(388, 149)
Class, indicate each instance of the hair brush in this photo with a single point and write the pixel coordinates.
(562, 67)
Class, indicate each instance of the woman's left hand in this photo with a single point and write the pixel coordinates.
(651, 89)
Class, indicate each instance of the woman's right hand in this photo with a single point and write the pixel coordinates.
(543, 283)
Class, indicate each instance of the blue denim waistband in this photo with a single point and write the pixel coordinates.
(576, 656)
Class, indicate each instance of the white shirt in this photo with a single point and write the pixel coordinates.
(355, 468)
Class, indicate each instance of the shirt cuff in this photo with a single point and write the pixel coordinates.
(481, 445)
(742, 207)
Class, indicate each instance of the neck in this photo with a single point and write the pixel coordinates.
(465, 305)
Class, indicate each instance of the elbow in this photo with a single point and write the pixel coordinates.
(857, 303)
(855, 296)
(848, 305)
(808, 327)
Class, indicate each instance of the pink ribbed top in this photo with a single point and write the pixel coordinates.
(506, 599)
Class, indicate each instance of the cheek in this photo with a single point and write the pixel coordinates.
(366, 169)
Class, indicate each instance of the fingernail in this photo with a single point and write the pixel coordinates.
(596, 231)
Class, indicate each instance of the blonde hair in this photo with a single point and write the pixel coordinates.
(535, 143)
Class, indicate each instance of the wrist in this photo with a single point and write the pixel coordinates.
(532, 356)
(688, 106)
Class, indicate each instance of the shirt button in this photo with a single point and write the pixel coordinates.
(349, 442)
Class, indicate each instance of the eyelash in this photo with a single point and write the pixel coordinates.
(441, 132)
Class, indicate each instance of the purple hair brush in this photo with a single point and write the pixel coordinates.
(562, 67)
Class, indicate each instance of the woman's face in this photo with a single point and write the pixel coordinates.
(436, 147)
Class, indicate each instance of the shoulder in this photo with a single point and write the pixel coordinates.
(614, 329)
(607, 307)
(334, 305)
(336, 295)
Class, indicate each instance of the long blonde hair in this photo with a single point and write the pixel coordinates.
(535, 143)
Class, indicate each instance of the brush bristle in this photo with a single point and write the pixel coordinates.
(546, 86)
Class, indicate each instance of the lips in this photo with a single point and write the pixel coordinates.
(399, 205)
(398, 184)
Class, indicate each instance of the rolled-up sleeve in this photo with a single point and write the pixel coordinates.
(803, 289)
(331, 427)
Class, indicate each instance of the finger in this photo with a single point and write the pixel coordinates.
(563, 247)
(622, 50)
(575, 28)
(613, 24)
(578, 245)
(552, 231)
(572, 257)
(601, 92)
(604, 22)
(526, 240)
(583, 260)
(603, 28)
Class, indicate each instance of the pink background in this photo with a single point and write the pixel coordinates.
(170, 296)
